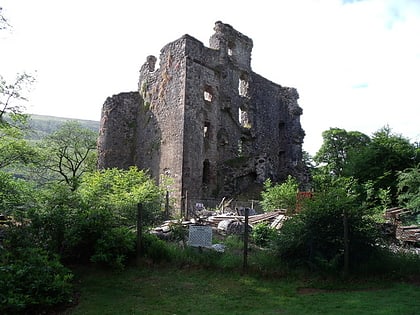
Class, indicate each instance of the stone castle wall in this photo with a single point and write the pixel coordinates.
(205, 119)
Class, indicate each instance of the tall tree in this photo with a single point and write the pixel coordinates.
(409, 189)
(70, 152)
(381, 160)
(335, 149)
(12, 97)
(13, 147)
(120, 191)
(280, 196)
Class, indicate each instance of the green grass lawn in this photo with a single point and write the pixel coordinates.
(163, 291)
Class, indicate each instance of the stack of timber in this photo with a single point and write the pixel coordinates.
(275, 219)
(394, 214)
(268, 217)
(408, 234)
(404, 234)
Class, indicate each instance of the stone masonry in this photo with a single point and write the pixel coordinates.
(206, 120)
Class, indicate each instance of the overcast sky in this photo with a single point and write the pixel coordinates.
(355, 64)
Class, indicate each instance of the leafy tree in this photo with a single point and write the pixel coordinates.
(409, 190)
(308, 161)
(31, 278)
(281, 196)
(14, 149)
(12, 96)
(381, 160)
(115, 247)
(88, 224)
(120, 191)
(375, 201)
(335, 149)
(315, 236)
(32, 281)
(107, 214)
(16, 195)
(262, 234)
(70, 152)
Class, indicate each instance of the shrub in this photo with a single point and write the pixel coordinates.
(155, 249)
(115, 247)
(120, 192)
(315, 237)
(262, 234)
(15, 194)
(86, 227)
(32, 281)
(281, 196)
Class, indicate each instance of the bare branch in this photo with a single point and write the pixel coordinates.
(4, 24)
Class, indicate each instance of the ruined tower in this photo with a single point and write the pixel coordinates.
(205, 119)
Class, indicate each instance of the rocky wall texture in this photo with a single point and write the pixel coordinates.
(205, 119)
(118, 130)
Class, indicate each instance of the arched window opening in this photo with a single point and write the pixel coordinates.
(230, 48)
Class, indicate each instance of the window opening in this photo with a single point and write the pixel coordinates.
(230, 48)
(244, 119)
(206, 171)
(208, 94)
(281, 129)
(206, 130)
(243, 85)
(282, 158)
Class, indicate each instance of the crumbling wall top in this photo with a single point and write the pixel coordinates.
(232, 43)
(225, 32)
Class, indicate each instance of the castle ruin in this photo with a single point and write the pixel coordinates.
(206, 120)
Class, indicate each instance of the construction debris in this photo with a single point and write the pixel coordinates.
(404, 234)
(267, 217)
(408, 234)
(226, 223)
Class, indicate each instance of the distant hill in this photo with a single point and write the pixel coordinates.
(43, 125)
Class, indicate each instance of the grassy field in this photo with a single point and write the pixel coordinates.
(167, 290)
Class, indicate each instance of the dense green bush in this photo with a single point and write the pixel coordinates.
(86, 228)
(115, 247)
(119, 192)
(32, 281)
(409, 194)
(16, 195)
(280, 196)
(262, 234)
(315, 236)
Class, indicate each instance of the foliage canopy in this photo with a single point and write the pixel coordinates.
(281, 196)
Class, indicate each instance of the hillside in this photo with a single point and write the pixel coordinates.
(42, 125)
